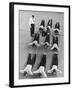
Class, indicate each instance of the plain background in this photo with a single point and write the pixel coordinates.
(4, 44)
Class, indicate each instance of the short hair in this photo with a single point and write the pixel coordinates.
(33, 16)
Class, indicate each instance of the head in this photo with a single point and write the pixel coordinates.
(43, 23)
(57, 25)
(33, 16)
(49, 22)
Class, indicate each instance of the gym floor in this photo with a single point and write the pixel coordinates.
(24, 39)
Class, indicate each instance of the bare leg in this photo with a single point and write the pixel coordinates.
(47, 44)
(42, 66)
(54, 67)
(55, 46)
(34, 42)
(30, 63)
(27, 69)
(41, 71)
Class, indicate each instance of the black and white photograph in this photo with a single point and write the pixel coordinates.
(41, 44)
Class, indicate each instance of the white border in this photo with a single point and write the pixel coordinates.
(16, 46)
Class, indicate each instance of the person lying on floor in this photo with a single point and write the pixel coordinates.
(35, 41)
(30, 64)
(36, 37)
(54, 64)
(56, 36)
(42, 28)
(57, 28)
(49, 24)
(46, 43)
(41, 68)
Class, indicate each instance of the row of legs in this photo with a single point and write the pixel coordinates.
(46, 43)
(42, 65)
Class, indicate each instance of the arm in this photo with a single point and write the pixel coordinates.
(30, 22)
(54, 29)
